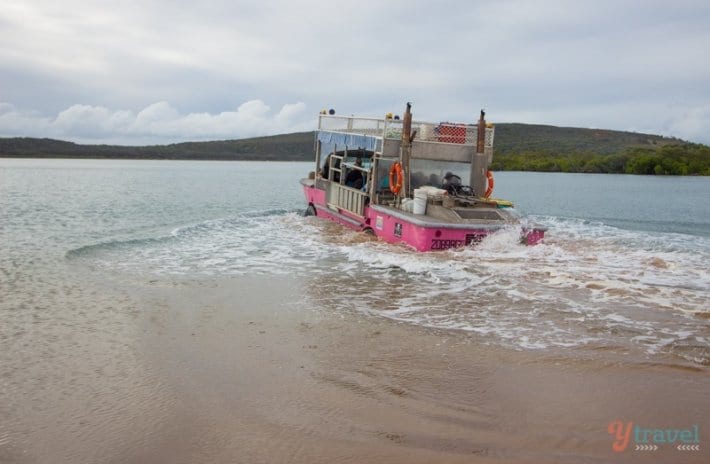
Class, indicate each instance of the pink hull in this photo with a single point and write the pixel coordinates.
(396, 227)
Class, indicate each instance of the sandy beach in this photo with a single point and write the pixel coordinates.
(246, 370)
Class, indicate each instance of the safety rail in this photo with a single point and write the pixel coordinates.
(352, 125)
(386, 128)
(347, 198)
(335, 167)
(355, 167)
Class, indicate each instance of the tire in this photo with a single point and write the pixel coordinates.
(310, 211)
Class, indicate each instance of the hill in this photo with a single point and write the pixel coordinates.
(519, 147)
(526, 147)
(285, 147)
(518, 138)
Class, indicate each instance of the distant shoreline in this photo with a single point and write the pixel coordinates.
(122, 158)
(519, 147)
(145, 158)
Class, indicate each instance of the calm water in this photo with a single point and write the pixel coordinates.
(623, 272)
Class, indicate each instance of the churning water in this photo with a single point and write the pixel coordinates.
(624, 266)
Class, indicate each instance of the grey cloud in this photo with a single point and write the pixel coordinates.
(621, 65)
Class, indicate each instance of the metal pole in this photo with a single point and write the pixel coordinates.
(479, 163)
(406, 149)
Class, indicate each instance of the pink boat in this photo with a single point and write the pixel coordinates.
(403, 181)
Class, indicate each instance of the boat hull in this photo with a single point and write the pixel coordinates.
(395, 226)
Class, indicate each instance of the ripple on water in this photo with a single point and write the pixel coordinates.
(588, 285)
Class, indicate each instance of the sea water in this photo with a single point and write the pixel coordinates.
(624, 264)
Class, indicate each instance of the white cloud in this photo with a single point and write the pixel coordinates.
(157, 123)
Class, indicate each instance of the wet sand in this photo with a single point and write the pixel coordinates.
(261, 370)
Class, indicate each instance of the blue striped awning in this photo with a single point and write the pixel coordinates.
(341, 139)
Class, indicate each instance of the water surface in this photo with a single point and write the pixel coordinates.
(111, 270)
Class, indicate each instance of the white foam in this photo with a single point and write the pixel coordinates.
(634, 270)
(585, 279)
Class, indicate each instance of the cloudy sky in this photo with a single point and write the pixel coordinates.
(135, 72)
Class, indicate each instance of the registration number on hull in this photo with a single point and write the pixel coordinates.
(441, 244)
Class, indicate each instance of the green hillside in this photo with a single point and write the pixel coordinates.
(285, 147)
(519, 138)
(525, 147)
(519, 147)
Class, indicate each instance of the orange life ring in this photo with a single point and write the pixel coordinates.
(396, 171)
(491, 183)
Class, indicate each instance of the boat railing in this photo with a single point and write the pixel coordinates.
(335, 167)
(355, 167)
(443, 132)
(389, 128)
(352, 125)
(343, 197)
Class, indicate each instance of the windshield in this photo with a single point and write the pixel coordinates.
(429, 172)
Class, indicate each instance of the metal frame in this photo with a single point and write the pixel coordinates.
(388, 132)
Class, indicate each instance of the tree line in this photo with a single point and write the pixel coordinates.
(672, 159)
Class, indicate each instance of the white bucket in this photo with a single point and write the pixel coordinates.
(407, 205)
(420, 197)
